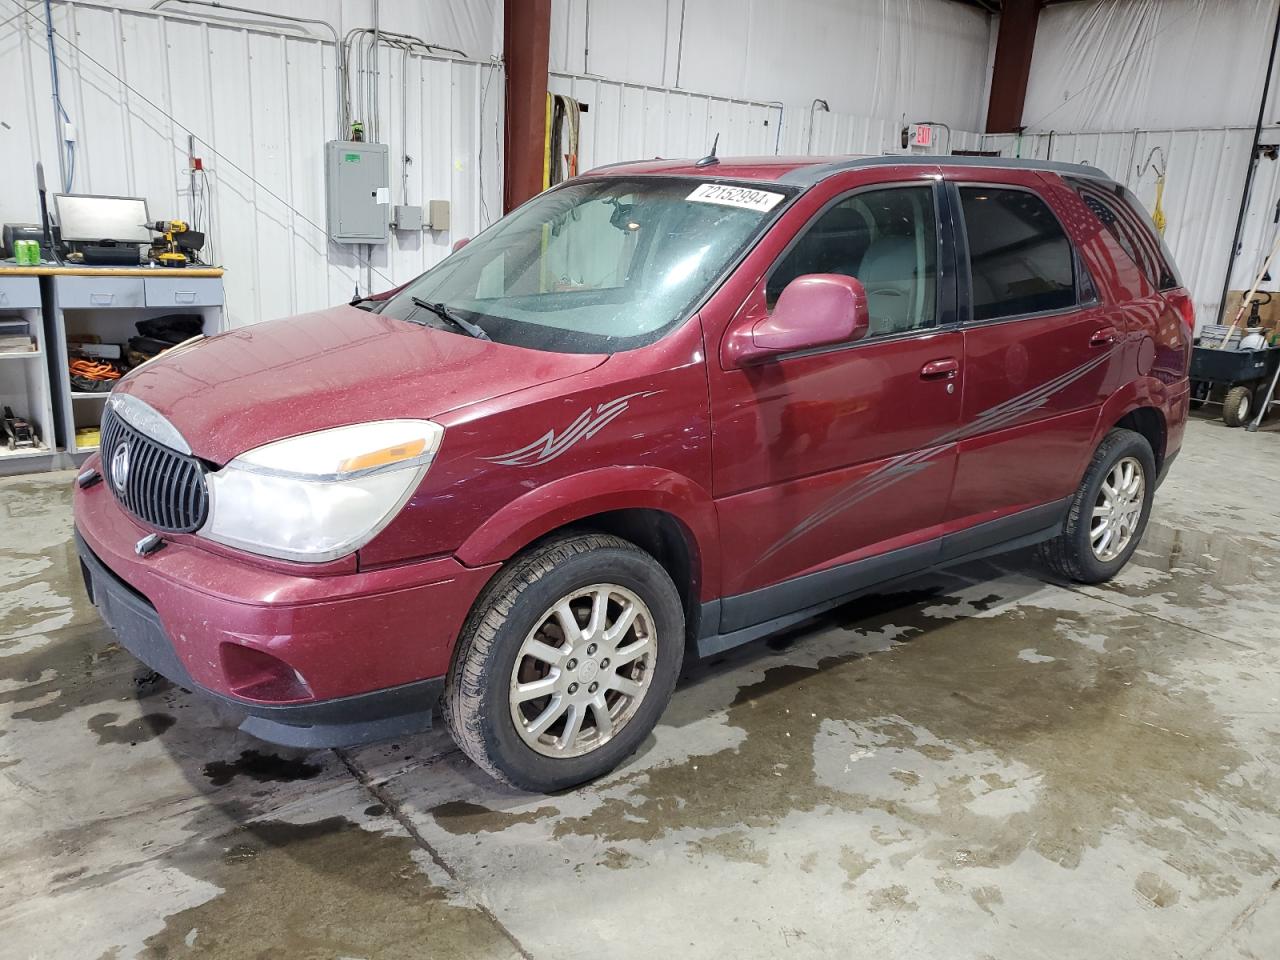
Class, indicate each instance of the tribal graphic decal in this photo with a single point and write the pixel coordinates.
(551, 445)
(906, 464)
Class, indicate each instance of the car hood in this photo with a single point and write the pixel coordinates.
(241, 389)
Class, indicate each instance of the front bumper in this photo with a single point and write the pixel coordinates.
(313, 660)
(341, 721)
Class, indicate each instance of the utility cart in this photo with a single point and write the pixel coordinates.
(1244, 375)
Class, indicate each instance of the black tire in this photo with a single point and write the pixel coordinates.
(475, 704)
(1070, 554)
(1237, 406)
(1200, 390)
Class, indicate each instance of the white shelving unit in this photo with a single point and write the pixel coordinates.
(24, 378)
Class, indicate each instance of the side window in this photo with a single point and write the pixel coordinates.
(1020, 260)
(1119, 212)
(888, 239)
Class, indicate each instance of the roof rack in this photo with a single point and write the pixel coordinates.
(809, 175)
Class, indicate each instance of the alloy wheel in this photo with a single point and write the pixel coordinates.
(583, 670)
(1118, 510)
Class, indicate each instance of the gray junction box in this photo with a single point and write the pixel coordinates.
(357, 191)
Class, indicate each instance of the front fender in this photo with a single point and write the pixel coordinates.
(573, 498)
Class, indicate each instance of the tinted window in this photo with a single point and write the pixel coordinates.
(1126, 221)
(1020, 260)
(888, 239)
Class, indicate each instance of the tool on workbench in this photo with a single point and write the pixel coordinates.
(177, 245)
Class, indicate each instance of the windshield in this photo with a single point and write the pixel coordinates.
(596, 266)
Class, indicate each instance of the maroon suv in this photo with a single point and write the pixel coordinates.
(663, 406)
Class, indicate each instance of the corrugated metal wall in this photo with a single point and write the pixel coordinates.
(631, 121)
(1150, 64)
(1203, 183)
(261, 102)
(882, 58)
(841, 133)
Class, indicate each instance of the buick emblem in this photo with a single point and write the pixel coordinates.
(120, 467)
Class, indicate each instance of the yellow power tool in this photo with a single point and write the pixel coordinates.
(169, 249)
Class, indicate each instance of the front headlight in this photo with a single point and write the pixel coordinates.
(321, 495)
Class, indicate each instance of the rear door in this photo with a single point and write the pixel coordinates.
(1042, 352)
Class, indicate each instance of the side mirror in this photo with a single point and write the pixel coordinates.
(459, 244)
(815, 310)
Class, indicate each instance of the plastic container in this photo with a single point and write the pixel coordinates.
(26, 253)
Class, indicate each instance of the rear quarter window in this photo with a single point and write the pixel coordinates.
(1132, 228)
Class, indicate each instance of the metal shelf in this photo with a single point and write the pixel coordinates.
(24, 452)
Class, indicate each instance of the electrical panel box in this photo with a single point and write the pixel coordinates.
(438, 214)
(357, 191)
(407, 217)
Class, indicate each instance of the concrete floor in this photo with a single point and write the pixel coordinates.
(993, 765)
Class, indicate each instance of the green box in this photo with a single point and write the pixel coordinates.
(26, 253)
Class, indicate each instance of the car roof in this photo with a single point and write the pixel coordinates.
(807, 171)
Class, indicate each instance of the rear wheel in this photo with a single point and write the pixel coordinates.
(1237, 406)
(566, 663)
(1108, 512)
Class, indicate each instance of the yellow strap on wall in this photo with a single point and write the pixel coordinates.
(1157, 214)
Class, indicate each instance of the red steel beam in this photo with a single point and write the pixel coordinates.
(526, 37)
(1014, 43)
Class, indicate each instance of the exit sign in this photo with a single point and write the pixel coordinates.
(923, 135)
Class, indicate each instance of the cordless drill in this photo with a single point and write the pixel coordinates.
(166, 251)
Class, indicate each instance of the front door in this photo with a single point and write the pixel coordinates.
(835, 456)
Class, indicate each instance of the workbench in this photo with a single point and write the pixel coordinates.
(62, 302)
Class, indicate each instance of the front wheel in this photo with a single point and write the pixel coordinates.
(1108, 512)
(566, 662)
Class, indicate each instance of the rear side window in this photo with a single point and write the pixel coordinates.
(1020, 259)
(1122, 214)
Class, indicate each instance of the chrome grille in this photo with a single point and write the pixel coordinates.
(159, 486)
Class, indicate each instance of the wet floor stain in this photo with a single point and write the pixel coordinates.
(463, 817)
(143, 728)
(78, 666)
(1155, 891)
(735, 845)
(320, 890)
(260, 767)
(854, 864)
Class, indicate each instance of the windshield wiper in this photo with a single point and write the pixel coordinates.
(444, 313)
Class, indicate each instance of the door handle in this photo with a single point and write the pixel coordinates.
(943, 369)
(1103, 337)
